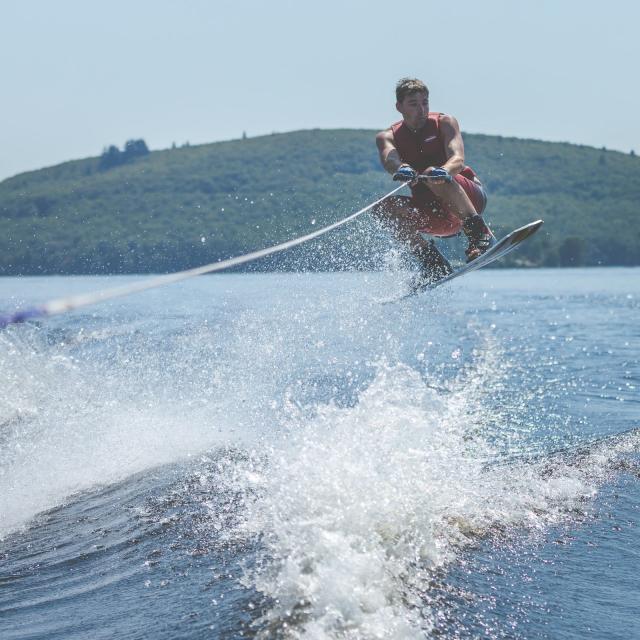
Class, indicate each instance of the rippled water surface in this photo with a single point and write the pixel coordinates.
(283, 456)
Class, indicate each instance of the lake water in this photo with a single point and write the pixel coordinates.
(282, 456)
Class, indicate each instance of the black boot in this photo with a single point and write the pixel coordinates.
(479, 235)
(434, 266)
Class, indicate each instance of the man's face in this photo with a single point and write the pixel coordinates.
(414, 109)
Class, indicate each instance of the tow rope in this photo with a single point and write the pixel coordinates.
(64, 305)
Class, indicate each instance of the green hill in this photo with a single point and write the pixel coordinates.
(182, 207)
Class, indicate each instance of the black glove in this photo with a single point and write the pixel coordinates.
(405, 173)
(436, 172)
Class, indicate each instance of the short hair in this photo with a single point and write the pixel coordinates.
(405, 86)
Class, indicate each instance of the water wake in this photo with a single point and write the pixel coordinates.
(344, 455)
(358, 506)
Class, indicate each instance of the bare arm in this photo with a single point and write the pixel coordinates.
(389, 157)
(454, 147)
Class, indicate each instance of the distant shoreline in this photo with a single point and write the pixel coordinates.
(133, 211)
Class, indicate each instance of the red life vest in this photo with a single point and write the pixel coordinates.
(424, 148)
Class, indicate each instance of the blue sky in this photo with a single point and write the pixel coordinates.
(79, 75)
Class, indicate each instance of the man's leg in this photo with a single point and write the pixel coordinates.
(456, 199)
(403, 221)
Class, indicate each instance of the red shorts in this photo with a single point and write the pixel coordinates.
(436, 217)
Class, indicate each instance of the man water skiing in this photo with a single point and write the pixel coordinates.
(426, 149)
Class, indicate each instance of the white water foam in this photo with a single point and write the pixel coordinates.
(357, 505)
(68, 424)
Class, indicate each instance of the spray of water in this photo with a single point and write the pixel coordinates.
(357, 506)
(356, 497)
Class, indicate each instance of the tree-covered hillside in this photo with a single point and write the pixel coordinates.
(136, 211)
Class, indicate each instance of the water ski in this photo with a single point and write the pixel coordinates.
(499, 250)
